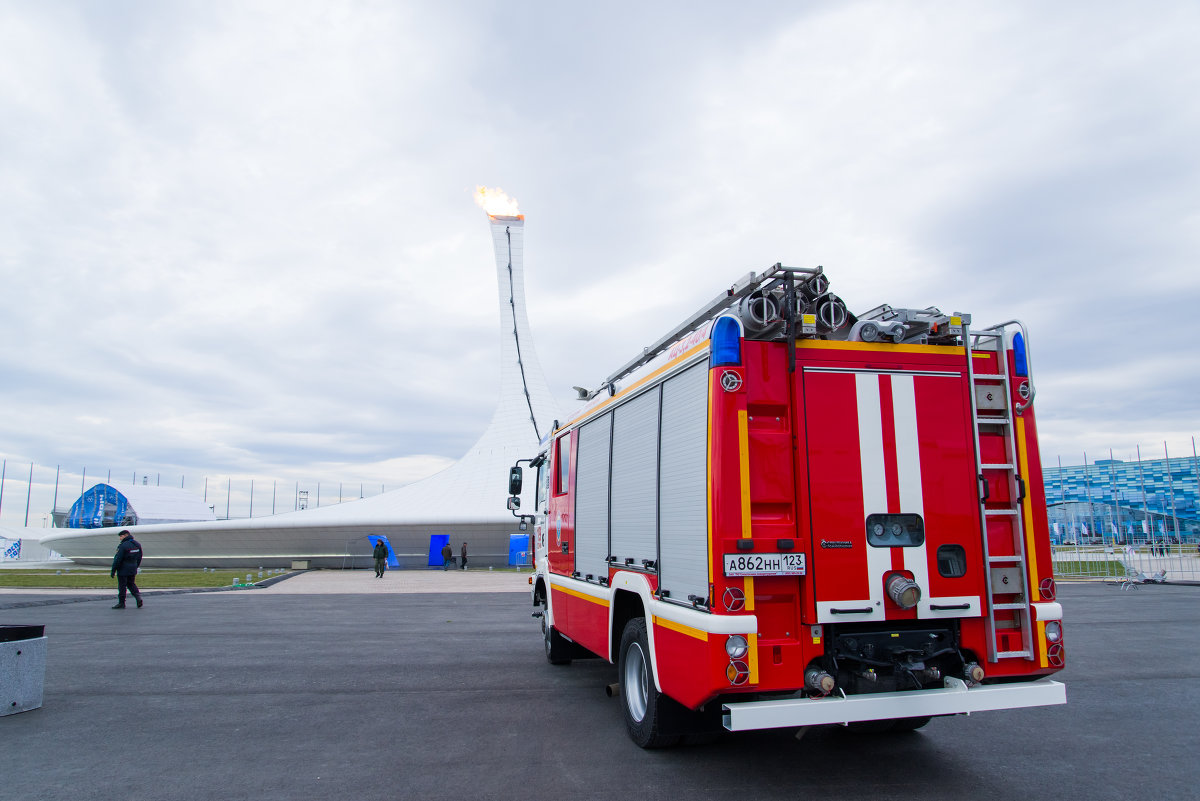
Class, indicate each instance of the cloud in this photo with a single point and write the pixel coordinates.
(240, 241)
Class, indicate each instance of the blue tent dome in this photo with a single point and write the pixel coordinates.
(104, 505)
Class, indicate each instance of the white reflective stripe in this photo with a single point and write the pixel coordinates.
(874, 487)
(686, 616)
(952, 606)
(860, 371)
(1047, 611)
(908, 472)
(703, 621)
(839, 611)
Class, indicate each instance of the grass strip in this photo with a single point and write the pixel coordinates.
(1099, 567)
(147, 579)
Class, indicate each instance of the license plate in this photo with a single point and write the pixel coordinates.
(764, 564)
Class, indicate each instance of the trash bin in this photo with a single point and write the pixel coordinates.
(22, 668)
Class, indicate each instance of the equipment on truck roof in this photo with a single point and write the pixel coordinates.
(789, 303)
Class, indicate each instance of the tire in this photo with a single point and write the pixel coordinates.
(557, 647)
(910, 724)
(640, 701)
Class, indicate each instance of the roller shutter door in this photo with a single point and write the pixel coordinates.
(635, 478)
(591, 498)
(683, 500)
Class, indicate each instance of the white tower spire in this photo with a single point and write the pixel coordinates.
(526, 410)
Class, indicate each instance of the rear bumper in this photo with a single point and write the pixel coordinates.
(956, 698)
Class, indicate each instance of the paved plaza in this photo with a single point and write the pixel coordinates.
(432, 685)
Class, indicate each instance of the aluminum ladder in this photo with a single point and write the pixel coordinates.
(991, 410)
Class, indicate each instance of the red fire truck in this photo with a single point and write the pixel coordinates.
(782, 514)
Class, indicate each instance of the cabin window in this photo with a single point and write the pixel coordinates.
(562, 458)
(543, 484)
(952, 561)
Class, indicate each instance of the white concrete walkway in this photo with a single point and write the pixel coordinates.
(331, 582)
(328, 582)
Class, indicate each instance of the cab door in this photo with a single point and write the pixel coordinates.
(560, 523)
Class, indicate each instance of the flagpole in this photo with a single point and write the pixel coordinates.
(28, 494)
(1087, 484)
(1171, 484)
(54, 507)
(1116, 501)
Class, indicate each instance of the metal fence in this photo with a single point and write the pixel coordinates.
(1143, 563)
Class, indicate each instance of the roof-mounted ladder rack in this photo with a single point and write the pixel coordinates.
(742, 287)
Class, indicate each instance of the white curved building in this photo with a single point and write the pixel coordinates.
(464, 502)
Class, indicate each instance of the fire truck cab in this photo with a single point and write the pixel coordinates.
(782, 514)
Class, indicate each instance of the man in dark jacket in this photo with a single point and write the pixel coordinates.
(125, 567)
(380, 553)
(464, 556)
(447, 556)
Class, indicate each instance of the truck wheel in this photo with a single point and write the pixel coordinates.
(557, 647)
(641, 702)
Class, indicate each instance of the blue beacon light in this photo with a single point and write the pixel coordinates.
(1021, 361)
(726, 348)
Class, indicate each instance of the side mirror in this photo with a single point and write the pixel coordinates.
(514, 503)
(515, 479)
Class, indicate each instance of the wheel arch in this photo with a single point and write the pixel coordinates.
(540, 591)
(631, 598)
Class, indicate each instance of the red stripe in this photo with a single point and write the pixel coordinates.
(891, 469)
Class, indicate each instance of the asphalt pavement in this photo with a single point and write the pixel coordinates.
(372, 694)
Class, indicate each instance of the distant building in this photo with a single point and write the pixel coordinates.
(1126, 501)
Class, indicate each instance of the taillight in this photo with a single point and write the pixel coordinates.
(738, 673)
(1053, 632)
(1055, 655)
(734, 599)
(1048, 588)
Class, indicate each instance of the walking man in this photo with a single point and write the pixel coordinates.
(464, 556)
(125, 568)
(380, 553)
(447, 556)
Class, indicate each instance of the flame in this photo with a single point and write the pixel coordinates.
(496, 202)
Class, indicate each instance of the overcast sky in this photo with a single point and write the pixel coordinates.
(237, 239)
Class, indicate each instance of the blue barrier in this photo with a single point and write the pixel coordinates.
(436, 541)
(392, 561)
(518, 549)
